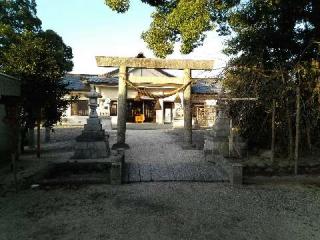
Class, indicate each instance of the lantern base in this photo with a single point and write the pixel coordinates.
(93, 142)
(120, 146)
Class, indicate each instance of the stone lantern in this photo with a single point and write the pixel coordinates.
(93, 102)
(93, 142)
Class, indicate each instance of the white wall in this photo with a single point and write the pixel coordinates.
(111, 93)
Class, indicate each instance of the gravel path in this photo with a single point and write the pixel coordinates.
(158, 146)
(162, 211)
(157, 155)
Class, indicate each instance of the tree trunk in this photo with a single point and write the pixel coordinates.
(273, 130)
(38, 137)
(296, 151)
(290, 134)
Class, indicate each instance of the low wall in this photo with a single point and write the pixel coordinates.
(233, 170)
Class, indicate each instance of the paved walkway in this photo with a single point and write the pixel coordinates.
(157, 155)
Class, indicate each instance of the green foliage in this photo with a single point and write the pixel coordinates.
(119, 6)
(20, 15)
(40, 63)
(16, 16)
(180, 21)
(187, 22)
(40, 59)
(272, 52)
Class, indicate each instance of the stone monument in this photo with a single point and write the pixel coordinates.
(92, 161)
(93, 142)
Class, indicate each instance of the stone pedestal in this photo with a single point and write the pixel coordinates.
(93, 141)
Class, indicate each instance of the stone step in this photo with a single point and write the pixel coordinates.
(203, 172)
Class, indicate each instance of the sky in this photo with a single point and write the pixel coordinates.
(92, 29)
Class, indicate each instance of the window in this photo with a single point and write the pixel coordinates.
(80, 108)
(113, 108)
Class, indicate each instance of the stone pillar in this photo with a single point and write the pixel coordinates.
(160, 113)
(122, 109)
(187, 109)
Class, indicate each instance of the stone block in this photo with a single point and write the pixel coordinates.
(93, 127)
(91, 150)
(217, 145)
(236, 176)
(116, 173)
(93, 121)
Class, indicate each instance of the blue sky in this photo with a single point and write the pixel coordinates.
(92, 29)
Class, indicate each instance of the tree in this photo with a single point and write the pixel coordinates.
(16, 16)
(39, 58)
(272, 54)
(40, 61)
(184, 21)
(55, 103)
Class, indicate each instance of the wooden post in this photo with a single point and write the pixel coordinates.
(122, 109)
(290, 133)
(231, 144)
(296, 150)
(187, 109)
(273, 130)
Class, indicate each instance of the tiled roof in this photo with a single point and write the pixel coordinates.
(74, 82)
(203, 87)
(104, 80)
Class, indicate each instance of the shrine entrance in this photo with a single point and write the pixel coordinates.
(159, 155)
(182, 84)
(141, 111)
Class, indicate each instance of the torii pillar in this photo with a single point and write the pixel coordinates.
(187, 109)
(122, 109)
(125, 63)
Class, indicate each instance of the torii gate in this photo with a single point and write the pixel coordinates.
(124, 63)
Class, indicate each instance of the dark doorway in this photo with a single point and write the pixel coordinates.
(80, 108)
(143, 108)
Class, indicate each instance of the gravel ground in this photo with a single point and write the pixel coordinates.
(162, 211)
